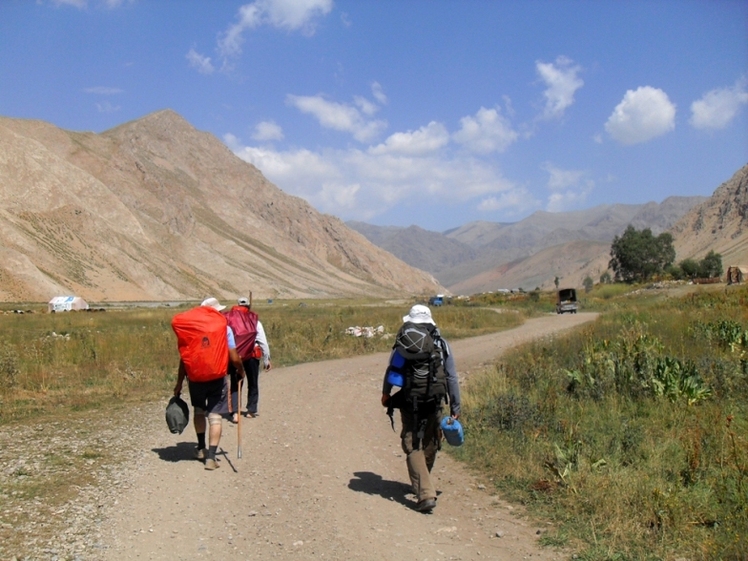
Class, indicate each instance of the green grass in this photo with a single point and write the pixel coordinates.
(630, 434)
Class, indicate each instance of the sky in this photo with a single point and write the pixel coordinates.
(410, 112)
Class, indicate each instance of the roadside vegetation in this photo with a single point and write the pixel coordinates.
(631, 434)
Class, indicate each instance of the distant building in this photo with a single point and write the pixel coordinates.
(66, 304)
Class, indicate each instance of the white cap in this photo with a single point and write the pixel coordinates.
(419, 314)
(213, 303)
(243, 301)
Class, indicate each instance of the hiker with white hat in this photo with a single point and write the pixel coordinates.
(422, 364)
(252, 345)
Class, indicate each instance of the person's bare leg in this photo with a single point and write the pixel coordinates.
(214, 434)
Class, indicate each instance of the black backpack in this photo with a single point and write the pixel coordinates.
(424, 379)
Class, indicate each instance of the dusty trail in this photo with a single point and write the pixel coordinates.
(322, 476)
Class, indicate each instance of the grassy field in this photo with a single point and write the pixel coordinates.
(632, 434)
(52, 363)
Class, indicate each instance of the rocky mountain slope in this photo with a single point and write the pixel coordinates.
(719, 224)
(156, 210)
(481, 256)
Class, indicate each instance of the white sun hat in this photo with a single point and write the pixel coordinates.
(419, 314)
(213, 303)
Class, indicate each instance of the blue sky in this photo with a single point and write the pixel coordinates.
(400, 112)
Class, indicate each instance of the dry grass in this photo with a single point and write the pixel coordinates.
(82, 360)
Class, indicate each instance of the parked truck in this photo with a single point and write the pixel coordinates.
(566, 301)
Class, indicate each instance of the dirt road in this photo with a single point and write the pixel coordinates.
(322, 477)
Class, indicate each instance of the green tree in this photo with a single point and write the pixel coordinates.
(605, 278)
(690, 268)
(674, 271)
(638, 255)
(588, 284)
(711, 266)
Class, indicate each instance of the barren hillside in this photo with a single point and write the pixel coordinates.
(156, 210)
(719, 224)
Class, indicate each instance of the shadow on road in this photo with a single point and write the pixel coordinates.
(181, 452)
(185, 451)
(373, 484)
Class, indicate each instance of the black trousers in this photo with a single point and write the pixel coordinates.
(252, 371)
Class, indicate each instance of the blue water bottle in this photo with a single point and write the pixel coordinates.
(395, 370)
(452, 430)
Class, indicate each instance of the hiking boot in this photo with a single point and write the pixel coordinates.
(426, 505)
(211, 464)
(201, 454)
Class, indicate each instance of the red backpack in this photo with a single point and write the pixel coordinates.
(244, 324)
(203, 346)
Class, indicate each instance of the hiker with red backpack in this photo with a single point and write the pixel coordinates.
(422, 365)
(206, 347)
(252, 345)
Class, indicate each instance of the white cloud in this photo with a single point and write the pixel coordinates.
(644, 114)
(717, 108)
(378, 93)
(359, 184)
(569, 187)
(291, 15)
(200, 62)
(302, 169)
(106, 107)
(427, 139)
(562, 81)
(515, 200)
(103, 90)
(562, 178)
(488, 131)
(560, 202)
(338, 195)
(366, 106)
(337, 116)
(267, 130)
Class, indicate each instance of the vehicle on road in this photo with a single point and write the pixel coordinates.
(566, 301)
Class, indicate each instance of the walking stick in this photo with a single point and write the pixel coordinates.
(239, 420)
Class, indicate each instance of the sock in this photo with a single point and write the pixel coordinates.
(212, 452)
(201, 440)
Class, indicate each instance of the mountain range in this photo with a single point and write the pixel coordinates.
(486, 256)
(157, 210)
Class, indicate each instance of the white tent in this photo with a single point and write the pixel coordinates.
(66, 304)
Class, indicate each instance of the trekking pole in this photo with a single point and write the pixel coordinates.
(239, 420)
